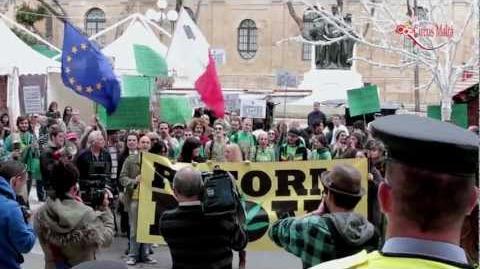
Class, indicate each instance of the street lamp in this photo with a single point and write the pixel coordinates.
(160, 16)
(162, 4)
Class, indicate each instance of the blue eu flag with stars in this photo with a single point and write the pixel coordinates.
(87, 71)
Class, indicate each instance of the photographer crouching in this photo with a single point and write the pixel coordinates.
(95, 166)
(69, 231)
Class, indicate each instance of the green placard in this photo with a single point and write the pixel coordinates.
(363, 101)
(149, 62)
(131, 113)
(136, 86)
(175, 109)
(459, 114)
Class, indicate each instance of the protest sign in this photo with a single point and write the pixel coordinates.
(149, 62)
(175, 109)
(286, 79)
(131, 113)
(219, 55)
(195, 101)
(32, 99)
(459, 114)
(255, 109)
(270, 190)
(232, 102)
(363, 101)
(134, 86)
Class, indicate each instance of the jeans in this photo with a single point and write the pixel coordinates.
(139, 251)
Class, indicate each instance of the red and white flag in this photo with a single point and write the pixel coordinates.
(190, 50)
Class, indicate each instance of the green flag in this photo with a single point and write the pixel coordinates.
(175, 109)
(149, 62)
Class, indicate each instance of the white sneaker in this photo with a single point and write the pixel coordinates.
(131, 261)
(149, 260)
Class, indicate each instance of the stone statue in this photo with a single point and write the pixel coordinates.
(336, 55)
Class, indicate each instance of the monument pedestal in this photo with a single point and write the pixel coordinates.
(328, 84)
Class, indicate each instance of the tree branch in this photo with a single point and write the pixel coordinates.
(296, 18)
(179, 5)
(383, 65)
(197, 12)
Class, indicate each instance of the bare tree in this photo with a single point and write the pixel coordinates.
(195, 14)
(435, 53)
(298, 20)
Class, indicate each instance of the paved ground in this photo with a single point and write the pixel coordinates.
(255, 259)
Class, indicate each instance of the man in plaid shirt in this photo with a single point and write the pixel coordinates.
(333, 230)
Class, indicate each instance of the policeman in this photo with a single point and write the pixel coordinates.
(428, 190)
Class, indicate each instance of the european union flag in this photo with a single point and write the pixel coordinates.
(87, 71)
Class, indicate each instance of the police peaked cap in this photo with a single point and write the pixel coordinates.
(429, 144)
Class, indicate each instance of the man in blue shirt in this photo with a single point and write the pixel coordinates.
(16, 234)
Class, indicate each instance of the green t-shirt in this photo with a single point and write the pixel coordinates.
(291, 152)
(264, 155)
(246, 142)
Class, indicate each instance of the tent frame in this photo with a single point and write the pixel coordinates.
(39, 38)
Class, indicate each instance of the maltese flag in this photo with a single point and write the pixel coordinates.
(190, 51)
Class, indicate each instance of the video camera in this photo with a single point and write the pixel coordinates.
(92, 191)
(220, 194)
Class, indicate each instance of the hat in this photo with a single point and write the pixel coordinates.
(294, 131)
(428, 143)
(101, 265)
(343, 179)
(71, 136)
(178, 125)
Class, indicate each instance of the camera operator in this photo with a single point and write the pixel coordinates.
(53, 151)
(195, 239)
(332, 231)
(69, 231)
(130, 178)
(95, 166)
(16, 235)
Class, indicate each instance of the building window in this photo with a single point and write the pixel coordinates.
(247, 39)
(308, 25)
(94, 21)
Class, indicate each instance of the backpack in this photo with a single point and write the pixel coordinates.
(220, 195)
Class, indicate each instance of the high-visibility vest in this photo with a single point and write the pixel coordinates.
(375, 260)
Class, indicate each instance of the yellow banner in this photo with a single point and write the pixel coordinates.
(271, 190)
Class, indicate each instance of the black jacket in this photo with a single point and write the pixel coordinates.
(197, 241)
(92, 168)
(47, 160)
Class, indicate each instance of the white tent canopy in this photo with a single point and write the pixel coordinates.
(121, 50)
(16, 53)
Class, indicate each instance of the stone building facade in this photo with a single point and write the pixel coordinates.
(245, 35)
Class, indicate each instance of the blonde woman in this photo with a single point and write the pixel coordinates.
(263, 151)
(234, 154)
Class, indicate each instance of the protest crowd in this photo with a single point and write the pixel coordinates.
(88, 178)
